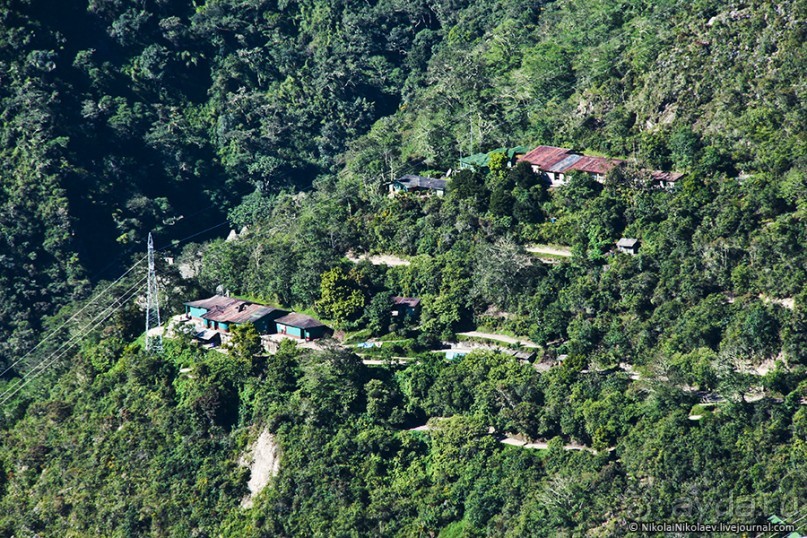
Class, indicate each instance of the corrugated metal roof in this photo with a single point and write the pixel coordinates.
(300, 320)
(521, 355)
(239, 312)
(554, 159)
(411, 302)
(564, 164)
(545, 156)
(672, 177)
(477, 159)
(596, 165)
(230, 310)
(518, 150)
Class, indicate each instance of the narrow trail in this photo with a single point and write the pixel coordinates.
(516, 442)
(378, 259)
(501, 338)
(552, 251)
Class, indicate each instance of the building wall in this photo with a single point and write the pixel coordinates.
(405, 311)
(297, 332)
(397, 187)
(556, 179)
(267, 325)
(263, 325)
(195, 312)
(315, 332)
(217, 325)
(289, 330)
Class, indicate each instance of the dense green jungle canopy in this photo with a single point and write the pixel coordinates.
(290, 118)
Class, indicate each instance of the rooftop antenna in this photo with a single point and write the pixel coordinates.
(154, 342)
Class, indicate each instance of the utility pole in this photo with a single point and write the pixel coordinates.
(154, 342)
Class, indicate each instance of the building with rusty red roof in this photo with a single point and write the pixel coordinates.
(222, 313)
(543, 157)
(597, 167)
(557, 163)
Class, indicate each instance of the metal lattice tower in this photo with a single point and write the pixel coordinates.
(154, 338)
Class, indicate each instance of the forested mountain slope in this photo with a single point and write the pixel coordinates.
(119, 119)
(682, 371)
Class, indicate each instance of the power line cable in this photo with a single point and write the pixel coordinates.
(119, 303)
(129, 292)
(175, 243)
(793, 522)
(785, 533)
(60, 327)
(94, 299)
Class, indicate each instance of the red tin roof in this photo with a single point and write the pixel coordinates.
(595, 165)
(545, 156)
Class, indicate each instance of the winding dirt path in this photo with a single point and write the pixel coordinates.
(501, 338)
(378, 259)
(552, 251)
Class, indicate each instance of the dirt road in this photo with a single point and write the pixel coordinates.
(552, 251)
(501, 338)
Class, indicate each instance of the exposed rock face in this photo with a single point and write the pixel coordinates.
(263, 461)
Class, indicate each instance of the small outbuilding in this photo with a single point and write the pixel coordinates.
(207, 337)
(628, 245)
(405, 307)
(521, 355)
(666, 180)
(301, 326)
(413, 183)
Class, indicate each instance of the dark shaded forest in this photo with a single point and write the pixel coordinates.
(121, 119)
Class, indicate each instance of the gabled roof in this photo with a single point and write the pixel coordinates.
(554, 159)
(671, 177)
(411, 302)
(230, 310)
(564, 164)
(411, 180)
(545, 156)
(240, 312)
(627, 242)
(519, 354)
(299, 320)
(596, 165)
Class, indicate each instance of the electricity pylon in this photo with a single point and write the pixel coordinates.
(154, 342)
